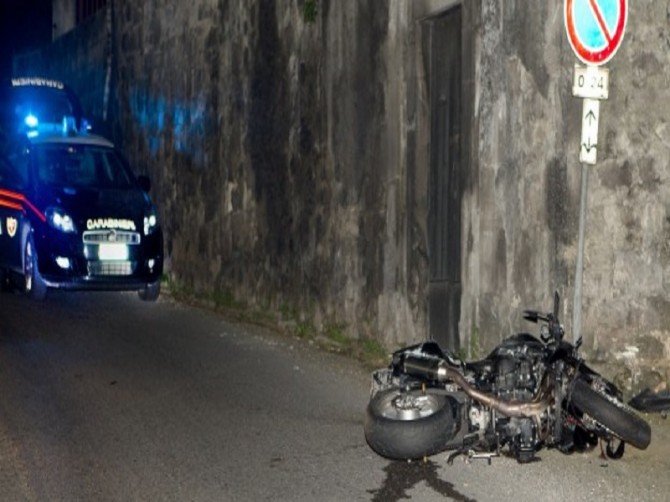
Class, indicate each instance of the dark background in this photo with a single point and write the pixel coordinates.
(24, 25)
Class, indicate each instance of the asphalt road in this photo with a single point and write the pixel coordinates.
(106, 398)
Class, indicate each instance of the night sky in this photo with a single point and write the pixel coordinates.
(24, 25)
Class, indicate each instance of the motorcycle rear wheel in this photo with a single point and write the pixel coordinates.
(406, 425)
(617, 417)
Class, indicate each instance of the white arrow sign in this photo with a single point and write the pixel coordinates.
(588, 152)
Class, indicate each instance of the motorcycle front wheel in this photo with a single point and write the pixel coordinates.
(615, 416)
(405, 425)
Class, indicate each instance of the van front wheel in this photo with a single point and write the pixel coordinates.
(33, 284)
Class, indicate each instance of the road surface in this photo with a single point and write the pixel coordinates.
(107, 398)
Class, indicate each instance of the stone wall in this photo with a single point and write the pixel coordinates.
(289, 155)
(521, 211)
(277, 153)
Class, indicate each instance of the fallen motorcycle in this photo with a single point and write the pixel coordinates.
(528, 394)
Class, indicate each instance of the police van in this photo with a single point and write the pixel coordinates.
(73, 215)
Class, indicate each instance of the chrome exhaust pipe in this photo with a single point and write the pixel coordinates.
(437, 369)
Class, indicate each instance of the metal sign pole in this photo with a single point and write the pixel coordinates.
(592, 84)
(577, 303)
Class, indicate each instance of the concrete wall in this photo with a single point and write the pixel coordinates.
(289, 156)
(64, 16)
(522, 204)
(277, 153)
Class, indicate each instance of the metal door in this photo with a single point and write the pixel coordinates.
(444, 217)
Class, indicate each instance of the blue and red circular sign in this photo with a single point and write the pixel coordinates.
(595, 28)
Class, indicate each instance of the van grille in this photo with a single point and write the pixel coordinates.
(111, 267)
(120, 236)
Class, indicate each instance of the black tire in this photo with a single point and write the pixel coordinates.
(421, 427)
(33, 284)
(4, 281)
(617, 417)
(150, 292)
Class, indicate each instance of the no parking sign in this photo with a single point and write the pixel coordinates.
(595, 28)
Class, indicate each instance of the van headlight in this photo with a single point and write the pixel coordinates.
(60, 220)
(150, 223)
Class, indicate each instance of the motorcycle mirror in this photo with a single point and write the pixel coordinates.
(557, 301)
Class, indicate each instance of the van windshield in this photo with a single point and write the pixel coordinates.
(82, 166)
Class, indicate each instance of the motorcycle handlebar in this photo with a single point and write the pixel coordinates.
(534, 316)
(550, 318)
(555, 329)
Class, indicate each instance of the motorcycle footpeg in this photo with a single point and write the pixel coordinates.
(488, 456)
(473, 455)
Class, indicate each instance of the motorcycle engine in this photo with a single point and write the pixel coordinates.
(515, 378)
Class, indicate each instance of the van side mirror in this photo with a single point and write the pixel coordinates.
(145, 183)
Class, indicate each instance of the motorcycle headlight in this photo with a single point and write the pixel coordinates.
(150, 222)
(60, 220)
